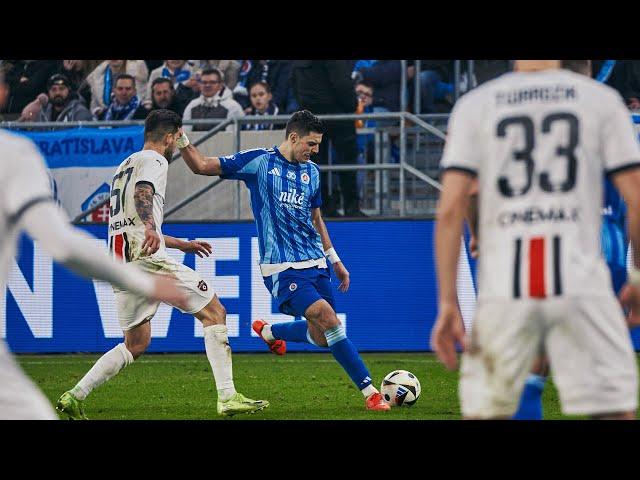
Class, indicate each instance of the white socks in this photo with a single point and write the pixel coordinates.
(105, 368)
(266, 333)
(369, 390)
(216, 343)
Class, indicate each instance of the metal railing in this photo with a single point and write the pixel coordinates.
(403, 167)
(420, 126)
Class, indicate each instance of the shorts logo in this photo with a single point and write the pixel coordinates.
(291, 175)
(293, 287)
(305, 178)
(203, 286)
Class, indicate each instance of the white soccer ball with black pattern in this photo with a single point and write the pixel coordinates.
(400, 388)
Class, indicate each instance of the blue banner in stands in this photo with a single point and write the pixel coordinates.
(87, 147)
(82, 162)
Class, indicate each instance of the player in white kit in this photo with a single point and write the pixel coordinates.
(135, 236)
(539, 141)
(26, 204)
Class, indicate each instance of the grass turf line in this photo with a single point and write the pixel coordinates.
(300, 386)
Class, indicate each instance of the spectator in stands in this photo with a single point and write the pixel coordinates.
(365, 141)
(163, 95)
(229, 69)
(101, 81)
(182, 75)
(125, 103)
(385, 77)
(277, 73)
(325, 87)
(77, 72)
(216, 101)
(623, 75)
(61, 104)
(261, 104)
(27, 79)
(436, 85)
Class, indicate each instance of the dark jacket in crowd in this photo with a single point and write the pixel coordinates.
(277, 73)
(325, 82)
(625, 77)
(443, 67)
(36, 72)
(74, 111)
(385, 76)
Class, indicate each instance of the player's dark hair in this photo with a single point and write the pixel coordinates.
(159, 80)
(160, 122)
(578, 66)
(303, 122)
(125, 76)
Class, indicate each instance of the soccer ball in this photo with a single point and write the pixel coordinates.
(400, 388)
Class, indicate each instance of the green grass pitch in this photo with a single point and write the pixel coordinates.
(300, 386)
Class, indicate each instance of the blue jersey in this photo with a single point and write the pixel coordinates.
(282, 197)
(613, 238)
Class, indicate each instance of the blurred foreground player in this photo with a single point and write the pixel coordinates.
(539, 141)
(27, 205)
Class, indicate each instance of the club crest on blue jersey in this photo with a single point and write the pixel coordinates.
(305, 178)
(293, 287)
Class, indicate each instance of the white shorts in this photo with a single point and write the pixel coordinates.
(134, 309)
(586, 341)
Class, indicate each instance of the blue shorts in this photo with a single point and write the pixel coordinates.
(296, 290)
(618, 276)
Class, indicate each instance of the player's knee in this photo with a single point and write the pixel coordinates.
(213, 314)
(328, 319)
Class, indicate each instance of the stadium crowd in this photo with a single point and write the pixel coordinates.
(115, 90)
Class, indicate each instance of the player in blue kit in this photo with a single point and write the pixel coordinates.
(294, 241)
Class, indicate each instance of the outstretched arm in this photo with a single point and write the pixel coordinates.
(198, 247)
(75, 249)
(195, 160)
(338, 267)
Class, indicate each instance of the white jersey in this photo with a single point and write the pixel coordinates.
(23, 183)
(126, 230)
(540, 143)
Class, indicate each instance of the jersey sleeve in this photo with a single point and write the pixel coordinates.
(152, 171)
(242, 165)
(29, 184)
(462, 148)
(620, 148)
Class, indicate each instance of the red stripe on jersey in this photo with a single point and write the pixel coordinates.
(118, 246)
(536, 268)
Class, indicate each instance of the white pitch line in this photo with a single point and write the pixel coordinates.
(69, 362)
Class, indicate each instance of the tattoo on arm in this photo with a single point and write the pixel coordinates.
(144, 205)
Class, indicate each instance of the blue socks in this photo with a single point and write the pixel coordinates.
(530, 407)
(347, 356)
(295, 331)
(341, 347)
